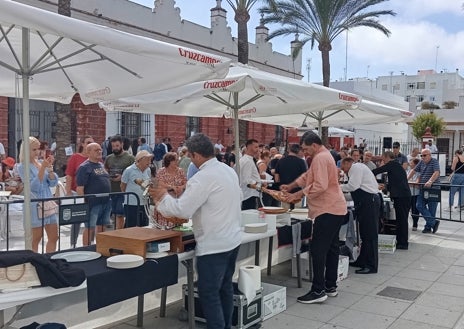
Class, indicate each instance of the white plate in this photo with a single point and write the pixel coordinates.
(272, 208)
(77, 256)
(125, 261)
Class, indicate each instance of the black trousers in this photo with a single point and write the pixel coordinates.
(325, 251)
(134, 217)
(367, 208)
(402, 206)
(414, 212)
(250, 203)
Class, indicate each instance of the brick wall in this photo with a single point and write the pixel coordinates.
(174, 127)
(90, 120)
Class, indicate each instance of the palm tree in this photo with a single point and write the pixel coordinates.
(322, 21)
(242, 16)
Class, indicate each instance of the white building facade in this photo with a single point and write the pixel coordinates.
(435, 88)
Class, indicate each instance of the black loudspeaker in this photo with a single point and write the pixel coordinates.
(387, 142)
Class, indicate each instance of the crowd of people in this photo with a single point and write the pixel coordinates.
(194, 181)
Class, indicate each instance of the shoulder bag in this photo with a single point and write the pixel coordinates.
(46, 208)
(450, 177)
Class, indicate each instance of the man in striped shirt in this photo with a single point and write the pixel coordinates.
(429, 171)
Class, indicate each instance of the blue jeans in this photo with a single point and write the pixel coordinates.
(99, 214)
(215, 288)
(428, 210)
(458, 179)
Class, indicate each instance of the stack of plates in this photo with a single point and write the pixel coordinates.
(273, 210)
(125, 261)
(256, 228)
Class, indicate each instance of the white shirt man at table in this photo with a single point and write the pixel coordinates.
(212, 199)
(249, 174)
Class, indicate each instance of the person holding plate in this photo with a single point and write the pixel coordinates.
(212, 199)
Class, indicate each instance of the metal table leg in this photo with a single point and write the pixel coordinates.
(164, 294)
(257, 252)
(298, 270)
(190, 298)
(140, 301)
(269, 255)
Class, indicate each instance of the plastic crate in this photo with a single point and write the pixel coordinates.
(387, 243)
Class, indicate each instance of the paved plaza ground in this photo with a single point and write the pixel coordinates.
(422, 287)
(432, 271)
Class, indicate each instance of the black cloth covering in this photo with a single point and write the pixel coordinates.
(106, 286)
(284, 233)
(56, 273)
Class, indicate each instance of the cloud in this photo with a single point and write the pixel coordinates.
(411, 46)
(419, 9)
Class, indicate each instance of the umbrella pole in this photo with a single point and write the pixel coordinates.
(236, 134)
(26, 148)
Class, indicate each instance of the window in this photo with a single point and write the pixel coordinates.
(432, 98)
(411, 85)
(192, 127)
(407, 98)
(420, 98)
(384, 87)
(134, 125)
(396, 86)
(421, 85)
(433, 85)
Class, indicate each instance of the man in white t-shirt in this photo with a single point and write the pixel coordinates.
(218, 146)
(2, 152)
(432, 147)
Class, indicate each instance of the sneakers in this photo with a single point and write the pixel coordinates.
(414, 228)
(331, 292)
(312, 297)
(435, 226)
(426, 230)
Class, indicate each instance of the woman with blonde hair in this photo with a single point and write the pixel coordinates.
(42, 178)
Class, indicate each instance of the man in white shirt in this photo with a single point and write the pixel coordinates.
(212, 200)
(364, 190)
(249, 174)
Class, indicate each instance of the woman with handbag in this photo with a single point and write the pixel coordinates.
(457, 166)
(42, 177)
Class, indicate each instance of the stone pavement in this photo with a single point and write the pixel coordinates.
(426, 283)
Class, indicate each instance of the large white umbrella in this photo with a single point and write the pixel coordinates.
(365, 112)
(55, 57)
(245, 93)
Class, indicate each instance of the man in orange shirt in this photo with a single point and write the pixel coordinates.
(327, 206)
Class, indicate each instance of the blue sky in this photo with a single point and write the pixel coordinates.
(426, 34)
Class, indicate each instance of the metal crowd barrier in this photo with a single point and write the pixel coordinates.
(440, 193)
(71, 210)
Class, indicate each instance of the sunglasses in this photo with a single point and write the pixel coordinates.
(424, 155)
